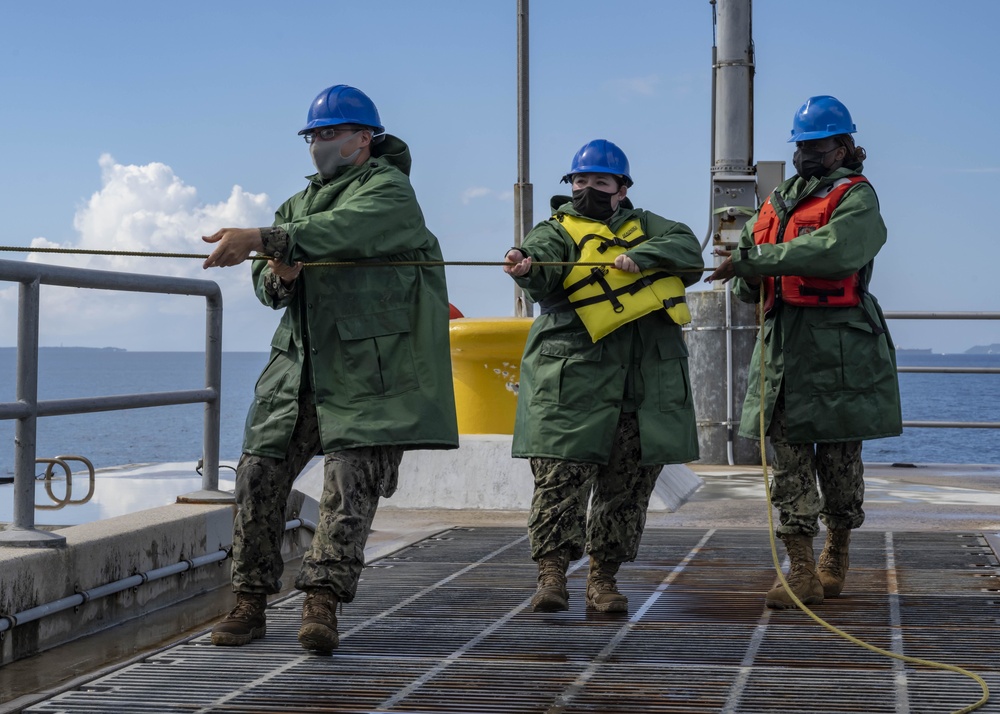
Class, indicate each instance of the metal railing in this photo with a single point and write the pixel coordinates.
(948, 370)
(26, 409)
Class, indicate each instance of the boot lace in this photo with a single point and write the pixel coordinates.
(247, 608)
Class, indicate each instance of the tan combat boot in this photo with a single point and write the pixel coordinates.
(802, 578)
(551, 595)
(319, 621)
(246, 622)
(833, 561)
(602, 588)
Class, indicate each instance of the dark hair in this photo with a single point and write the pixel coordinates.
(855, 154)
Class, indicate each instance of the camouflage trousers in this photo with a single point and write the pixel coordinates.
(353, 480)
(796, 468)
(619, 495)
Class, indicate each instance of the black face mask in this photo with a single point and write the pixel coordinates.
(810, 163)
(592, 203)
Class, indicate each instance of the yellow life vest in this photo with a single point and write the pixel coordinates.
(606, 298)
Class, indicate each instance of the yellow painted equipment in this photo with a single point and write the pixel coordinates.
(486, 365)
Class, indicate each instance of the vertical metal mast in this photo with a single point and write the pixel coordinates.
(733, 184)
(523, 199)
(721, 338)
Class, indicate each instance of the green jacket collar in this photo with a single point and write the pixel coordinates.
(797, 188)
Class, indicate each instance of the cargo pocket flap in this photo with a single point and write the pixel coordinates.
(282, 338)
(671, 348)
(391, 322)
(569, 348)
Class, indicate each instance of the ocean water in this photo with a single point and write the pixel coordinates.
(944, 397)
(167, 434)
(133, 436)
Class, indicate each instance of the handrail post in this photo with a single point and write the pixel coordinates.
(22, 531)
(210, 492)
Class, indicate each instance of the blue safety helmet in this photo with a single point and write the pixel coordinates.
(821, 117)
(599, 156)
(341, 104)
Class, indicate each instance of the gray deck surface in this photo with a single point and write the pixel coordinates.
(444, 625)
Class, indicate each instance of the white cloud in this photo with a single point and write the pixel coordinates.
(470, 194)
(145, 209)
(631, 86)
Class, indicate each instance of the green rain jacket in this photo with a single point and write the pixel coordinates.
(573, 390)
(837, 366)
(371, 344)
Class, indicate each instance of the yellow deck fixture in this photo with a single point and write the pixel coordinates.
(486, 362)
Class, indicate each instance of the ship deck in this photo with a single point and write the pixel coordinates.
(442, 621)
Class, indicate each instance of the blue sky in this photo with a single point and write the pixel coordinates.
(131, 125)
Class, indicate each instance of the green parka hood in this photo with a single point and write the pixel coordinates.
(395, 151)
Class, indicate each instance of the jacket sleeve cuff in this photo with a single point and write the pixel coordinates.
(275, 241)
(275, 288)
(743, 262)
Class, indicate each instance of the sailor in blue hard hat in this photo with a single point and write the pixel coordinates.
(604, 398)
(342, 125)
(822, 377)
(599, 175)
(359, 368)
(821, 130)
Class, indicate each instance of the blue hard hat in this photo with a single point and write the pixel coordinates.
(599, 156)
(821, 117)
(341, 104)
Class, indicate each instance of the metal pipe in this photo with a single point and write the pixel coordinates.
(952, 424)
(711, 150)
(300, 522)
(212, 428)
(105, 590)
(86, 405)
(904, 315)
(8, 622)
(950, 370)
(523, 193)
(729, 375)
(26, 394)
(26, 409)
(104, 279)
(734, 63)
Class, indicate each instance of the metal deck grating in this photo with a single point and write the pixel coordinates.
(444, 626)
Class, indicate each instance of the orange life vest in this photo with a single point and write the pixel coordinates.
(811, 213)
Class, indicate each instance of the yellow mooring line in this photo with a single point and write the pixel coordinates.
(777, 565)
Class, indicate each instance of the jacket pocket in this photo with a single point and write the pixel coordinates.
(378, 354)
(275, 374)
(761, 229)
(565, 372)
(672, 375)
(806, 222)
(845, 357)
